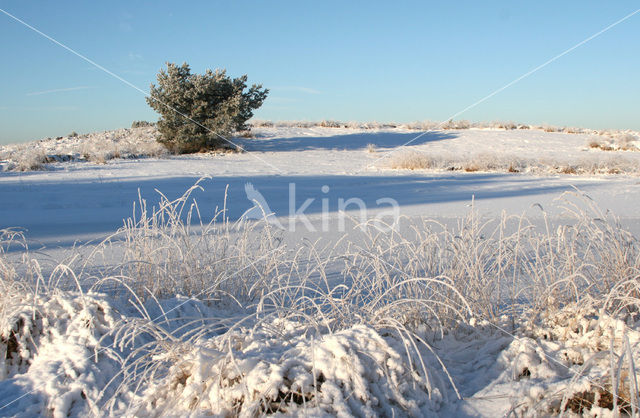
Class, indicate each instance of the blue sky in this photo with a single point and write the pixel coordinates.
(353, 60)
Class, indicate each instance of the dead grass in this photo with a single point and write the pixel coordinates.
(98, 147)
(617, 141)
(583, 401)
(593, 165)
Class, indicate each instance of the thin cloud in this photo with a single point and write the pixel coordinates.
(277, 99)
(125, 22)
(38, 93)
(300, 89)
(135, 57)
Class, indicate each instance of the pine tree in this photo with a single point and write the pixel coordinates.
(197, 111)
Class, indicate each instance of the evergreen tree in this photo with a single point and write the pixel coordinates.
(215, 106)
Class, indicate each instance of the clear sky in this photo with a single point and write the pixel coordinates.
(345, 60)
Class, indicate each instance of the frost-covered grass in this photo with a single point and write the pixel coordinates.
(169, 249)
(139, 142)
(427, 125)
(98, 147)
(176, 316)
(619, 141)
(587, 165)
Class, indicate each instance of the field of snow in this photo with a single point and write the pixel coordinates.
(506, 283)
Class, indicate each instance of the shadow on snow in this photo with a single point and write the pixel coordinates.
(350, 142)
(65, 210)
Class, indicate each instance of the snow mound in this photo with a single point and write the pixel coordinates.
(574, 361)
(281, 369)
(51, 364)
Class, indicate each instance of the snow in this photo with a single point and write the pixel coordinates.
(80, 200)
(284, 332)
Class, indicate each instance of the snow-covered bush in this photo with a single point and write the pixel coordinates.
(331, 124)
(282, 368)
(50, 339)
(618, 141)
(458, 124)
(198, 111)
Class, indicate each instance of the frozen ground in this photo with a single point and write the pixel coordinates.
(62, 358)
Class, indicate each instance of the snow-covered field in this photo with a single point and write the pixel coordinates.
(508, 283)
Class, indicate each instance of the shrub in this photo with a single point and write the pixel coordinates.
(197, 111)
(330, 124)
(141, 124)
